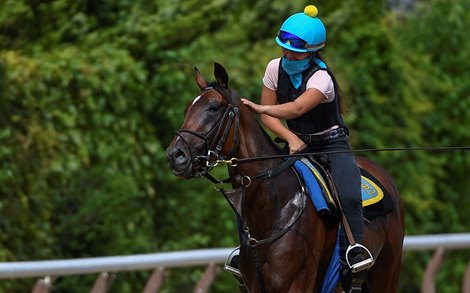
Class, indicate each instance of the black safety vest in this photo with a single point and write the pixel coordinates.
(321, 117)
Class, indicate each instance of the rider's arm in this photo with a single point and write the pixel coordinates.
(308, 100)
(269, 98)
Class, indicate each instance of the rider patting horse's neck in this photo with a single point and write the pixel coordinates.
(300, 244)
(270, 204)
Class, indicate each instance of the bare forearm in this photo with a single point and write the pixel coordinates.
(283, 111)
(290, 110)
(277, 127)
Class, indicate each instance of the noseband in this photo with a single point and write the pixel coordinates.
(219, 132)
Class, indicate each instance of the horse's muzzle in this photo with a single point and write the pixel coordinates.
(179, 161)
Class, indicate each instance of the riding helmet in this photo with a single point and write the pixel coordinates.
(307, 27)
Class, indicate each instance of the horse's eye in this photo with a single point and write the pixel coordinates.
(213, 108)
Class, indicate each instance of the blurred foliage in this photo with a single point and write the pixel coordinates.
(92, 91)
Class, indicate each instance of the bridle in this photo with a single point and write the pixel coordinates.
(215, 139)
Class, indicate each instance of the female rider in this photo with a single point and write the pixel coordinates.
(300, 89)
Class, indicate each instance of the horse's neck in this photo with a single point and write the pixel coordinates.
(255, 143)
(263, 192)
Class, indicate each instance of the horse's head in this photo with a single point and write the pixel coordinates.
(210, 127)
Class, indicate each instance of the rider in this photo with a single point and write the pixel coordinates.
(300, 88)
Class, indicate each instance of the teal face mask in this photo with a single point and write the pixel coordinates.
(295, 68)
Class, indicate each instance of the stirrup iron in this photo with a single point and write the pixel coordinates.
(229, 267)
(355, 290)
(362, 265)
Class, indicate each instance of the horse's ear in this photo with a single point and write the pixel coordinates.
(220, 75)
(201, 82)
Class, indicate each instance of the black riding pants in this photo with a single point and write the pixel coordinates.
(347, 178)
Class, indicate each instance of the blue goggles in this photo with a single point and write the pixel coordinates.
(293, 40)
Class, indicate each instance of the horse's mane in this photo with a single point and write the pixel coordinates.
(236, 102)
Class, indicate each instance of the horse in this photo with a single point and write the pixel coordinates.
(286, 245)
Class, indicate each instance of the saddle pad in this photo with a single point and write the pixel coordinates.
(316, 188)
(384, 206)
(371, 192)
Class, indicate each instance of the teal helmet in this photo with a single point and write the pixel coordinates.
(302, 32)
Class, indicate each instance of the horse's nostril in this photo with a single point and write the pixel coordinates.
(180, 156)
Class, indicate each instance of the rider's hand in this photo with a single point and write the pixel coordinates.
(296, 145)
(253, 106)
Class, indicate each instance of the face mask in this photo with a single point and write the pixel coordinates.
(295, 68)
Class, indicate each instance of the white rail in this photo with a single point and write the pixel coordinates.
(431, 242)
(23, 269)
(113, 263)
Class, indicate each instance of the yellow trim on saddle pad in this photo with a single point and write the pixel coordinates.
(371, 192)
(319, 179)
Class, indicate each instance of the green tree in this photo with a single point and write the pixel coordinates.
(437, 33)
(92, 91)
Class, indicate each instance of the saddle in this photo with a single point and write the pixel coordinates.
(313, 174)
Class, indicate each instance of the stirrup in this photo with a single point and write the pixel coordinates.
(362, 265)
(355, 290)
(231, 264)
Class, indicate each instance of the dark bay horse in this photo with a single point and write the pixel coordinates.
(289, 246)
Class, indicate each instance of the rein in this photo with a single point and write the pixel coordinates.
(236, 161)
(233, 162)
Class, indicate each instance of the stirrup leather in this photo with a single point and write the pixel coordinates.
(362, 265)
(229, 266)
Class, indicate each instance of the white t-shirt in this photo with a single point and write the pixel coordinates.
(320, 80)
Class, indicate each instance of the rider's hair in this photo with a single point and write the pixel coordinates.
(342, 106)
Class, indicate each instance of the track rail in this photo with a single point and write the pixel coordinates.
(41, 268)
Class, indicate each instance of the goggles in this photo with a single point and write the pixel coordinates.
(293, 40)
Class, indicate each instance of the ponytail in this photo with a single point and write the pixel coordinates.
(338, 94)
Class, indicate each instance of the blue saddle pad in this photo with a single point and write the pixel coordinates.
(313, 186)
(319, 192)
